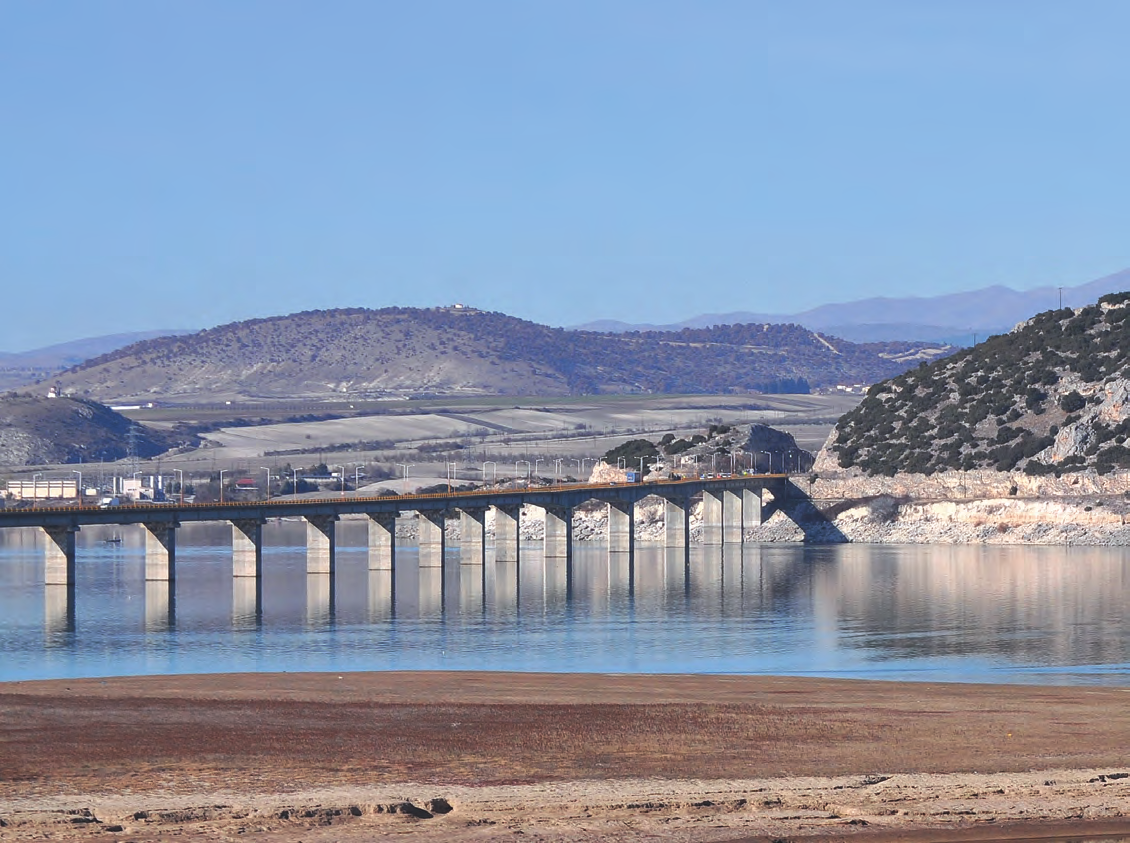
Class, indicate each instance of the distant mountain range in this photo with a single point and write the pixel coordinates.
(953, 318)
(402, 352)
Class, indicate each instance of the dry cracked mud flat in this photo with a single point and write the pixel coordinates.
(556, 757)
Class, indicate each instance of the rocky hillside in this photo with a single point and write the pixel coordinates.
(449, 351)
(1051, 397)
(36, 431)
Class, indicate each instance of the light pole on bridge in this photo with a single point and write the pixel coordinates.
(405, 466)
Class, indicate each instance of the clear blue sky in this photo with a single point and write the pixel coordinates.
(185, 164)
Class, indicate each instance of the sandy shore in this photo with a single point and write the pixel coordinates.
(557, 757)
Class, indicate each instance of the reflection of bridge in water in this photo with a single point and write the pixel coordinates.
(731, 505)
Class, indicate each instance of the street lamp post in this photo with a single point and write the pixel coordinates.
(405, 466)
(557, 470)
(538, 462)
(180, 483)
(267, 488)
(768, 459)
(341, 474)
(494, 470)
(78, 491)
(356, 477)
(528, 466)
(222, 470)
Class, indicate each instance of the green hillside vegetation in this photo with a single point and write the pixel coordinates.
(442, 351)
(1045, 398)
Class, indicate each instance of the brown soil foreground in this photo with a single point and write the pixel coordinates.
(557, 757)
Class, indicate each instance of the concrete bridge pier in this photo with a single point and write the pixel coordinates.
(507, 546)
(711, 519)
(731, 516)
(433, 539)
(751, 509)
(558, 532)
(472, 536)
(59, 566)
(621, 527)
(247, 547)
(382, 542)
(321, 543)
(676, 522)
(160, 551)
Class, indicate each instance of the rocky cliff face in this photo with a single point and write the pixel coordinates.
(1049, 398)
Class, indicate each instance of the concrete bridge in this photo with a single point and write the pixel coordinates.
(730, 505)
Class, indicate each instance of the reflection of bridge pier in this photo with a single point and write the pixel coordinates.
(160, 605)
(58, 609)
(382, 596)
(320, 603)
(246, 602)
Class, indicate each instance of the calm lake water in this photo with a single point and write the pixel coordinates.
(1047, 615)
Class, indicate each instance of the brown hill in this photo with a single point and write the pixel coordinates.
(36, 431)
(449, 351)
